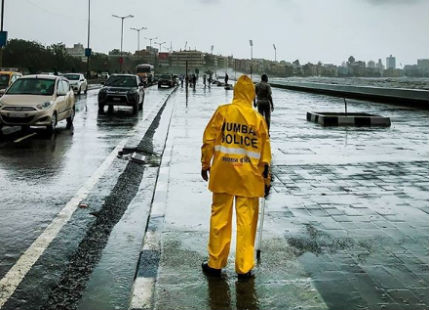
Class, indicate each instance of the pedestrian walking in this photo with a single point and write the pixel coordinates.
(205, 79)
(181, 78)
(236, 151)
(194, 81)
(264, 99)
(226, 79)
(210, 79)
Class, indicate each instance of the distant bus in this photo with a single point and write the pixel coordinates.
(146, 73)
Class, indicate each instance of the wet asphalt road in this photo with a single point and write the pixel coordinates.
(336, 191)
(41, 173)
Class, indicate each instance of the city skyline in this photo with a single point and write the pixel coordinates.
(368, 30)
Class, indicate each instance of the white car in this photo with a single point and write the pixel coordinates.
(38, 100)
(78, 82)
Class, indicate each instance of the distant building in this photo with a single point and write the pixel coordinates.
(195, 59)
(148, 55)
(163, 59)
(380, 65)
(211, 60)
(390, 62)
(371, 64)
(423, 66)
(76, 51)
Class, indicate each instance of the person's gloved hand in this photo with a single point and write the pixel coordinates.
(267, 190)
(267, 180)
(204, 174)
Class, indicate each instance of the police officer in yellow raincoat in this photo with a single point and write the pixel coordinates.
(236, 151)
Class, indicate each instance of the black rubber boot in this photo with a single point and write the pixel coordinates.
(210, 271)
(245, 276)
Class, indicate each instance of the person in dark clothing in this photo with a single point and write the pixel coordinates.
(226, 79)
(264, 99)
(194, 81)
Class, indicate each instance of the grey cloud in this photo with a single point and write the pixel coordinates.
(394, 2)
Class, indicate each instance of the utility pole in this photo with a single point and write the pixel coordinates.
(121, 60)
(150, 40)
(138, 35)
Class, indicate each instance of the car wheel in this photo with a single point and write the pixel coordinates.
(86, 90)
(135, 108)
(71, 118)
(100, 107)
(51, 127)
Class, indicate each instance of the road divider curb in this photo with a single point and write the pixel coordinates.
(352, 119)
(147, 269)
(133, 143)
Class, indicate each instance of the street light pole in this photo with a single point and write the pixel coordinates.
(89, 31)
(275, 53)
(138, 35)
(122, 35)
(251, 57)
(2, 19)
(160, 45)
(150, 40)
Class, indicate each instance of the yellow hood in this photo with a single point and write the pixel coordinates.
(244, 90)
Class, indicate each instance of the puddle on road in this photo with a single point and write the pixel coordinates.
(320, 242)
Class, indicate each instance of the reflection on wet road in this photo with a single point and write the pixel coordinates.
(39, 173)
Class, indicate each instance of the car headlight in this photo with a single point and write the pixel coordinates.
(44, 105)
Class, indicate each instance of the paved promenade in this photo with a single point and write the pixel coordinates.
(346, 225)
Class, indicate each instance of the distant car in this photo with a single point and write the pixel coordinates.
(104, 75)
(122, 89)
(6, 79)
(166, 80)
(77, 82)
(38, 100)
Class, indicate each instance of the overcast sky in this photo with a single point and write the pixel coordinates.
(308, 30)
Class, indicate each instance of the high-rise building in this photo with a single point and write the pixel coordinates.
(390, 62)
(371, 64)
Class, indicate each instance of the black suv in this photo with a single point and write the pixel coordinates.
(122, 89)
(167, 80)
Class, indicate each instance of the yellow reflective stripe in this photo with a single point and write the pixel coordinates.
(237, 151)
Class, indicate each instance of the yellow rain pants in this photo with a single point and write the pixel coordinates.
(220, 231)
(236, 148)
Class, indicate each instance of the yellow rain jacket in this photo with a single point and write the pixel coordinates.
(237, 140)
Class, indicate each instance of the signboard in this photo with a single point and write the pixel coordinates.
(88, 52)
(3, 38)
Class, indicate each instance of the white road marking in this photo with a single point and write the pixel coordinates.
(142, 294)
(12, 279)
(16, 274)
(25, 137)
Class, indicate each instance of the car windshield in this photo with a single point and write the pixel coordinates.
(166, 76)
(122, 81)
(72, 76)
(4, 80)
(32, 86)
